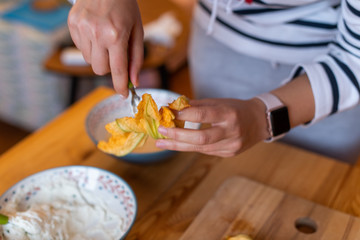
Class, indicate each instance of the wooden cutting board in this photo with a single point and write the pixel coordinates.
(242, 206)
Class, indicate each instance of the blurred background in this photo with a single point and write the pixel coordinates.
(42, 73)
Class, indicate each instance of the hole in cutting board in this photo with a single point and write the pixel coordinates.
(306, 225)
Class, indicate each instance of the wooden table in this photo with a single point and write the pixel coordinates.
(170, 194)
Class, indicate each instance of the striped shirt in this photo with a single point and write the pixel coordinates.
(319, 37)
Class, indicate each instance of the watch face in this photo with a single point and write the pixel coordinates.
(280, 121)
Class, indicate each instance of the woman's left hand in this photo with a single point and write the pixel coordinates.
(234, 126)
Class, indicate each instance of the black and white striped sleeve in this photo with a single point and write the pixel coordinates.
(335, 77)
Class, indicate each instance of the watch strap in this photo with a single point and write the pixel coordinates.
(272, 103)
(270, 100)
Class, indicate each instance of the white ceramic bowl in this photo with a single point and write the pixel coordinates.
(116, 107)
(113, 191)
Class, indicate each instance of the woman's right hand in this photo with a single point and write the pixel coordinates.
(109, 33)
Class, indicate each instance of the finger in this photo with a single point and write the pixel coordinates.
(181, 146)
(80, 34)
(119, 68)
(72, 22)
(100, 60)
(198, 137)
(75, 36)
(174, 145)
(83, 44)
(204, 102)
(224, 148)
(136, 56)
(201, 114)
(86, 50)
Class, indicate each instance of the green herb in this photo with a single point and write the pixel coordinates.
(130, 85)
(3, 219)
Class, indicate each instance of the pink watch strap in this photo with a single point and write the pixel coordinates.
(271, 102)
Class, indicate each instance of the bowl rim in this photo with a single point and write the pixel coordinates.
(85, 167)
(102, 102)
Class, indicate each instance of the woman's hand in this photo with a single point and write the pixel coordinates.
(235, 125)
(109, 34)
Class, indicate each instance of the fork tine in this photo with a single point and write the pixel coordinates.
(135, 99)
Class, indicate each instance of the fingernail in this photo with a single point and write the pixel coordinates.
(160, 144)
(136, 81)
(178, 114)
(162, 130)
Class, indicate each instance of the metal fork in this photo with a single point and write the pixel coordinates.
(135, 99)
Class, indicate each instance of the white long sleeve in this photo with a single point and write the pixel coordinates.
(334, 76)
(321, 38)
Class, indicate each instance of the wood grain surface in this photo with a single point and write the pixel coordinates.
(242, 206)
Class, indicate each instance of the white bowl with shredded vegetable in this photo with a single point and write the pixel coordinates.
(74, 202)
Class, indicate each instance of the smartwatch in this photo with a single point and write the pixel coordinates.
(277, 116)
